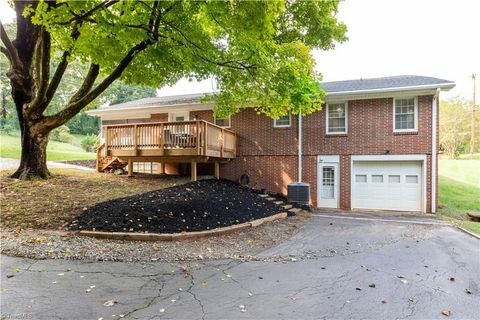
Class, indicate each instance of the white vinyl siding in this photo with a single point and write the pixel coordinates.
(336, 118)
(405, 114)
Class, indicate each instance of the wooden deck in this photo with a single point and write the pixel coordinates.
(164, 142)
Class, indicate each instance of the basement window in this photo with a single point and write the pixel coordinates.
(283, 121)
(223, 122)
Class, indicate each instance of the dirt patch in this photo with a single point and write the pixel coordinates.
(195, 206)
(52, 203)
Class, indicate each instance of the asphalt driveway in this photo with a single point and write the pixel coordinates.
(335, 268)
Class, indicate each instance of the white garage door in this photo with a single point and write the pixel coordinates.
(390, 185)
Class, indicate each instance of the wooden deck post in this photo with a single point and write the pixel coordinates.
(217, 169)
(194, 171)
(130, 167)
(161, 168)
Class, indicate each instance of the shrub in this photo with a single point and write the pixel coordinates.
(61, 134)
(90, 142)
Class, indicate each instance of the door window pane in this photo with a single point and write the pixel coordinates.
(377, 178)
(328, 182)
(361, 178)
(394, 179)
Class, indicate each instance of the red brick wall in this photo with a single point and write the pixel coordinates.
(268, 154)
(159, 117)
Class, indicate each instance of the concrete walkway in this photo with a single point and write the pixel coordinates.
(9, 164)
(334, 268)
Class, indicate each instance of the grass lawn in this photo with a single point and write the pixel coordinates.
(10, 148)
(459, 192)
(49, 204)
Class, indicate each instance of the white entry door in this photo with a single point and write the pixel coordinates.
(327, 185)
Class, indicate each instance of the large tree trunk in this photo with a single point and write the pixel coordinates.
(33, 162)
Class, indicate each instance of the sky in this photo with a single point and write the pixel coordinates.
(439, 38)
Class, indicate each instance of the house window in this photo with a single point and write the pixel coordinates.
(283, 121)
(361, 178)
(336, 118)
(223, 122)
(405, 112)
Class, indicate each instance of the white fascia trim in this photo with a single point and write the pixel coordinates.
(394, 157)
(153, 109)
(328, 159)
(445, 86)
(390, 157)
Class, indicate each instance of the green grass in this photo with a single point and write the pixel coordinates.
(56, 151)
(466, 156)
(459, 192)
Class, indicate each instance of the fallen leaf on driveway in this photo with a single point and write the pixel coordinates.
(358, 289)
(88, 290)
(446, 313)
(468, 291)
(16, 270)
(162, 310)
(372, 285)
(451, 279)
(109, 303)
(384, 301)
(404, 281)
(60, 274)
(10, 275)
(401, 276)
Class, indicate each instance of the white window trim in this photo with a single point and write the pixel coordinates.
(283, 125)
(171, 115)
(346, 118)
(229, 122)
(415, 121)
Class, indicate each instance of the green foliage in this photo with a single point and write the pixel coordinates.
(258, 51)
(455, 126)
(90, 143)
(61, 134)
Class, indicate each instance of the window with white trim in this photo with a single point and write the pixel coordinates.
(405, 113)
(283, 121)
(223, 122)
(337, 121)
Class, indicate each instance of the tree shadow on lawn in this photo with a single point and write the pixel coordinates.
(55, 202)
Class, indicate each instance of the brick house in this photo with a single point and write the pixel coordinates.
(372, 146)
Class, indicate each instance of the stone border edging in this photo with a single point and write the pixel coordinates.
(182, 235)
(469, 232)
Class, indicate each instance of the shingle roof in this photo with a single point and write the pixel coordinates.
(162, 101)
(333, 87)
(373, 84)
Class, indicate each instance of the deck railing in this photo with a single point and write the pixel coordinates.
(185, 138)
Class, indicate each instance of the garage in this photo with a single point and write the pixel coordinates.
(388, 185)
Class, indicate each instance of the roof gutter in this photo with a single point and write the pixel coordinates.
(445, 86)
(434, 164)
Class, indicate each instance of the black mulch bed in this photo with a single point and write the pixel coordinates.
(195, 206)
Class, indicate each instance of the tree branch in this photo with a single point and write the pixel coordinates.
(10, 48)
(41, 71)
(77, 104)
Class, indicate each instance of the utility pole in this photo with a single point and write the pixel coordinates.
(472, 133)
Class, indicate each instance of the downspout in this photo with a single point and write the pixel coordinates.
(300, 146)
(434, 152)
